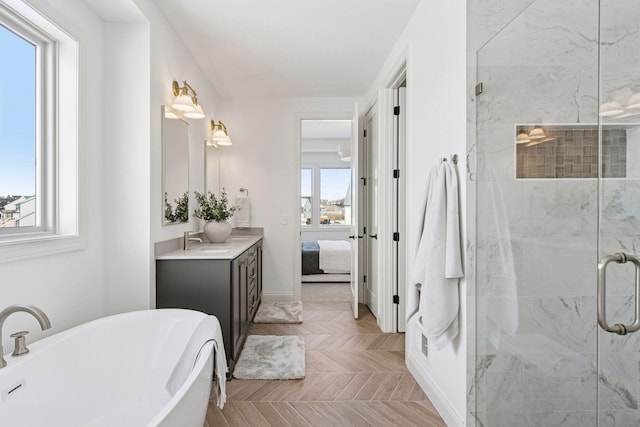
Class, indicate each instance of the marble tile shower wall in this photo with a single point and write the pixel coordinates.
(532, 307)
(574, 154)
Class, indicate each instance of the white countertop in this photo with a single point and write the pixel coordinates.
(233, 247)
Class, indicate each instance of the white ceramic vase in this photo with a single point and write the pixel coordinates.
(217, 231)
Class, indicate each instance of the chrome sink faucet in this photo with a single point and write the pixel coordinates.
(187, 239)
(21, 348)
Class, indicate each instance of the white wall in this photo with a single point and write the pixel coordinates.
(126, 166)
(433, 46)
(134, 58)
(69, 286)
(265, 158)
(143, 58)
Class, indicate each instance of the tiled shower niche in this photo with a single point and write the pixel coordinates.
(571, 152)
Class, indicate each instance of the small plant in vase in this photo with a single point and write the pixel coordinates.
(215, 211)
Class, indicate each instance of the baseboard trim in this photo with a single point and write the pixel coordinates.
(441, 403)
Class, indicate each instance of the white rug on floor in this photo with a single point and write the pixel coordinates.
(279, 312)
(271, 357)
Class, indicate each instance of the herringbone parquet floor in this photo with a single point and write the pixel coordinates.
(355, 376)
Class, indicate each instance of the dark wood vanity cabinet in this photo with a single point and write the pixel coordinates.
(230, 289)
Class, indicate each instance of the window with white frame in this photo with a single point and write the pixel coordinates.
(306, 198)
(325, 196)
(38, 134)
(18, 125)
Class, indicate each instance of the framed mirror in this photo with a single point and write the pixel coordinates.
(212, 168)
(175, 168)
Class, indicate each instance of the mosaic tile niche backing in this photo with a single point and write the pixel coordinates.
(572, 153)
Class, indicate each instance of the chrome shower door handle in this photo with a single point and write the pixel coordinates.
(618, 328)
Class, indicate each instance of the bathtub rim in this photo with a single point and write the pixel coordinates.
(59, 336)
(206, 352)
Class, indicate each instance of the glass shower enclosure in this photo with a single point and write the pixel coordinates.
(557, 295)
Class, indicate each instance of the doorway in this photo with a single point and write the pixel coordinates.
(383, 202)
(328, 208)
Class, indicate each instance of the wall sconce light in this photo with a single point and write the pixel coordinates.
(535, 136)
(170, 114)
(220, 135)
(609, 109)
(186, 101)
(522, 137)
(633, 102)
(537, 133)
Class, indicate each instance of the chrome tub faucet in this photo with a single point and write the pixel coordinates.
(20, 346)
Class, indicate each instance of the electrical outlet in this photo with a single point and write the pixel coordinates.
(284, 220)
(425, 346)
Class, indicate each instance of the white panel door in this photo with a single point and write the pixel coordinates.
(371, 285)
(355, 236)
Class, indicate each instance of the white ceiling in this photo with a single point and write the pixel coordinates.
(282, 48)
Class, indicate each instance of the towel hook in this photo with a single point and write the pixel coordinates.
(454, 159)
(244, 190)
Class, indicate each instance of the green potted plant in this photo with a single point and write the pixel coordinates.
(216, 212)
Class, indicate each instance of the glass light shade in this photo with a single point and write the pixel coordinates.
(535, 142)
(219, 135)
(183, 103)
(634, 101)
(629, 114)
(344, 150)
(609, 109)
(225, 142)
(170, 114)
(196, 114)
(537, 133)
(522, 137)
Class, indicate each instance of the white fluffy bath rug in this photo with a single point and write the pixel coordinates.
(279, 312)
(271, 357)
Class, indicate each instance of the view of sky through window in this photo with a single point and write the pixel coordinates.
(17, 115)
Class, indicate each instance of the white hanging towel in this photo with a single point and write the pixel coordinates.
(438, 264)
(242, 217)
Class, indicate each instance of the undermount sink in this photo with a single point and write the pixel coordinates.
(212, 250)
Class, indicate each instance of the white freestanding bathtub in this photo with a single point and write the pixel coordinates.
(144, 368)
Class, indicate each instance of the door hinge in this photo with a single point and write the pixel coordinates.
(396, 173)
(364, 133)
(396, 111)
(478, 88)
(396, 236)
(396, 299)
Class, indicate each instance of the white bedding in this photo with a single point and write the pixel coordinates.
(335, 256)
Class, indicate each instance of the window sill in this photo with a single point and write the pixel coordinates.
(36, 245)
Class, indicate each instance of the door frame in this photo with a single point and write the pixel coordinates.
(365, 213)
(384, 102)
(299, 116)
